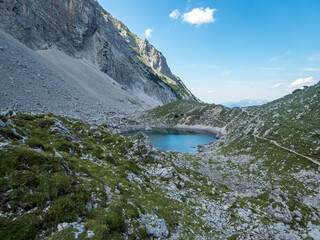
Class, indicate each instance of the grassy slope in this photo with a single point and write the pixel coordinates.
(192, 113)
(39, 190)
(293, 121)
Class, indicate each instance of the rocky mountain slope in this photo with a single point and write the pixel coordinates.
(270, 152)
(82, 29)
(30, 82)
(63, 179)
(291, 121)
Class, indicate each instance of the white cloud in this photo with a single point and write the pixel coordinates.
(276, 85)
(175, 14)
(148, 32)
(199, 16)
(210, 91)
(302, 82)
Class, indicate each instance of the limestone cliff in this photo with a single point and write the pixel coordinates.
(82, 29)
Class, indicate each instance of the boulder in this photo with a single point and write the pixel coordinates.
(281, 214)
(165, 173)
(156, 226)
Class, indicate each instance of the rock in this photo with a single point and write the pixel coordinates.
(59, 128)
(297, 214)
(92, 128)
(116, 191)
(68, 170)
(108, 191)
(2, 124)
(133, 177)
(63, 226)
(90, 234)
(78, 228)
(165, 173)
(142, 148)
(282, 214)
(38, 150)
(314, 234)
(89, 206)
(57, 154)
(156, 226)
(200, 148)
(184, 178)
(47, 208)
(225, 207)
(101, 39)
(219, 135)
(1, 48)
(277, 231)
(244, 214)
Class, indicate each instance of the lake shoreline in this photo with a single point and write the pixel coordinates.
(216, 131)
(177, 139)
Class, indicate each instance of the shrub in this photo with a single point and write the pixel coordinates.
(64, 145)
(46, 123)
(12, 230)
(62, 210)
(115, 220)
(7, 132)
(36, 143)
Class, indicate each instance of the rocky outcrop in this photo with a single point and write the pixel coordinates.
(155, 226)
(30, 83)
(82, 29)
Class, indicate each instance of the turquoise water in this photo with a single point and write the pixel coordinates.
(181, 141)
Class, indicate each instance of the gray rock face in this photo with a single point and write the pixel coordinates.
(165, 173)
(156, 226)
(142, 148)
(82, 29)
(2, 124)
(314, 234)
(281, 214)
(72, 88)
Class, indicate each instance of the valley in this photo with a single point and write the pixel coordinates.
(74, 80)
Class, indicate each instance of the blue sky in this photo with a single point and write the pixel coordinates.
(229, 50)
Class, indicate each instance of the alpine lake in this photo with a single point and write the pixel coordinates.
(176, 140)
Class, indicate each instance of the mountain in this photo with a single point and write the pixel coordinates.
(245, 103)
(73, 78)
(85, 31)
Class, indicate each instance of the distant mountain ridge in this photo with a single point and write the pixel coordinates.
(245, 103)
(83, 29)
